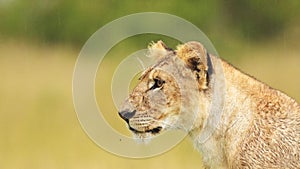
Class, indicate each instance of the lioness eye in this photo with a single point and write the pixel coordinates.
(157, 83)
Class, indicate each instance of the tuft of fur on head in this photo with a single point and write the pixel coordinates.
(158, 50)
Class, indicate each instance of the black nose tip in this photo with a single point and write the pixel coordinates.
(126, 115)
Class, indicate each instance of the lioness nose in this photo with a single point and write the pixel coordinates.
(126, 115)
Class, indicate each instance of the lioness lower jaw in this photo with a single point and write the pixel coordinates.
(250, 125)
(145, 136)
(153, 131)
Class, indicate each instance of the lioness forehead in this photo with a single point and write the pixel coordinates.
(160, 63)
(187, 58)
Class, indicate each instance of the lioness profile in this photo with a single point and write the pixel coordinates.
(258, 126)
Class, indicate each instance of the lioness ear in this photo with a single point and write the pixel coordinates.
(158, 49)
(195, 56)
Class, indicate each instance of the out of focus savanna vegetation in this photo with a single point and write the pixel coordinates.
(41, 39)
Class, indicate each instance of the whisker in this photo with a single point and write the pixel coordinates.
(141, 63)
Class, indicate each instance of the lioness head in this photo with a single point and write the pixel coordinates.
(168, 94)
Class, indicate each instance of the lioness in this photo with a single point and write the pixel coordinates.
(258, 126)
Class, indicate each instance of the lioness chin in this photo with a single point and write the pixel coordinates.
(258, 126)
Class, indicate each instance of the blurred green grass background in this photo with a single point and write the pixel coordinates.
(39, 43)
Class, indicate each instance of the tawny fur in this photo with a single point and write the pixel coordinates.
(259, 126)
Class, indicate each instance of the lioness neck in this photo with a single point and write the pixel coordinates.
(240, 89)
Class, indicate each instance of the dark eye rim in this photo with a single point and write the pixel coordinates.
(158, 83)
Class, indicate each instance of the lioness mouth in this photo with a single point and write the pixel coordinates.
(155, 130)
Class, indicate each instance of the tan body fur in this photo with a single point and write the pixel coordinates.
(259, 126)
